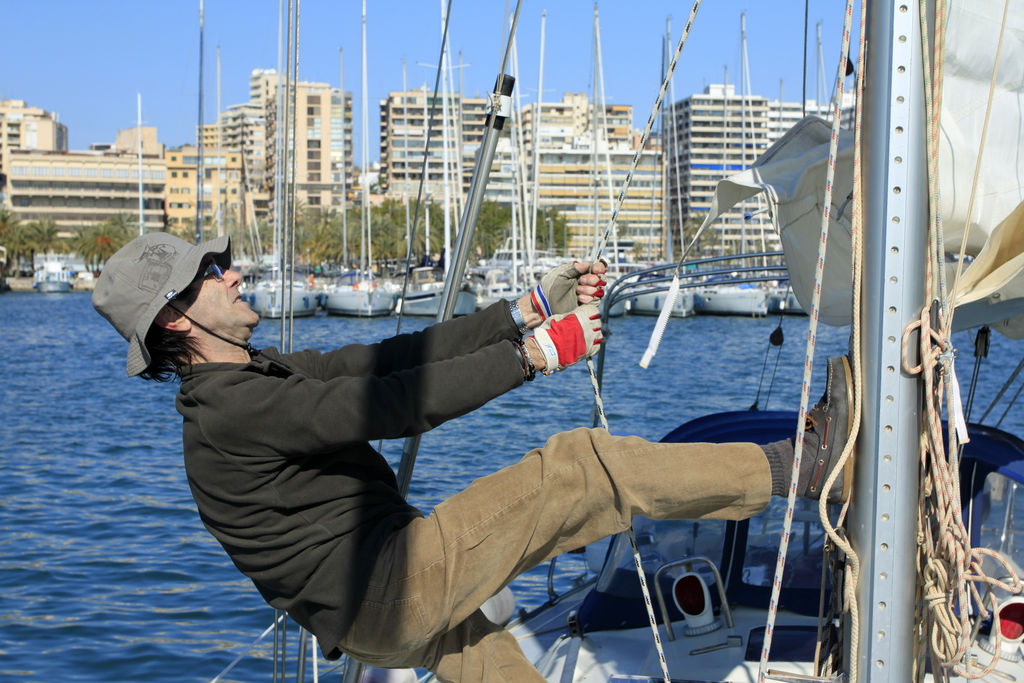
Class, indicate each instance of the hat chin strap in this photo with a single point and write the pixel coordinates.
(242, 345)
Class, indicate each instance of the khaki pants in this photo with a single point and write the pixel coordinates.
(422, 605)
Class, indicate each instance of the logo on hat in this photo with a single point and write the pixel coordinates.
(157, 268)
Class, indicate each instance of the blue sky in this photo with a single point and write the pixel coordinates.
(86, 60)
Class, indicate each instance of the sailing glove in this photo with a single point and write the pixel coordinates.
(556, 293)
(567, 338)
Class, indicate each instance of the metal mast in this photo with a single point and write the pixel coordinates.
(536, 127)
(405, 155)
(220, 158)
(199, 133)
(345, 147)
(142, 213)
(883, 518)
(364, 156)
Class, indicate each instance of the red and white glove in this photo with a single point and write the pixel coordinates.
(558, 292)
(570, 337)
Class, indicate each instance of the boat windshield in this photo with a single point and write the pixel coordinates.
(999, 519)
(660, 542)
(754, 551)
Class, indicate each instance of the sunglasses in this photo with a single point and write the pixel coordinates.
(212, 270)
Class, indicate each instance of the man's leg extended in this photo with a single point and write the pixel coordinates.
(581, 486)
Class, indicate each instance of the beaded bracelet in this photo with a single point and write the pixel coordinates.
(529, 371)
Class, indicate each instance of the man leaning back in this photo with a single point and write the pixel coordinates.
(279, 462)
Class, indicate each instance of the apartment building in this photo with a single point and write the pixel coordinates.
(582, 178)
(30, 128)
(407, 119)
(566, 161)
(719, 133)
(76, 189)
(322, 142)
(323, 167)
(222, 203)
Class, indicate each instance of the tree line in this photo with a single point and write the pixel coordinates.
(323, 236)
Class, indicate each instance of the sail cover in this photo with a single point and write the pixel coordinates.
(791, 175)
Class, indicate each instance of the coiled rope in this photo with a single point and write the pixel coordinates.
(809, 353)
(951, 572)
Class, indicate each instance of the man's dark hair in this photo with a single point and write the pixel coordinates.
(171, 351)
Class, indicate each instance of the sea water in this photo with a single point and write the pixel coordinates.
(106, 573)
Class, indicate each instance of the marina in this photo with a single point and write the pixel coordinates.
(866, 222)
(107, 570)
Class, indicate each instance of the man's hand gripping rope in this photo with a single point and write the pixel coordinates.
(570, 337)
(567, 286)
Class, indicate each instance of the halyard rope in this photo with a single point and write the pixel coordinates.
(809, 353)
(598, 249)
(949, 569)
(852, 564)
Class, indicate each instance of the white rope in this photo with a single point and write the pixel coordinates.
(809, 353)
(598, 249)
(244, 652)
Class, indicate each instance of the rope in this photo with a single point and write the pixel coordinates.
(598, 249)
(951, 572)
(852, 562)
(809, 354)
(279, 618)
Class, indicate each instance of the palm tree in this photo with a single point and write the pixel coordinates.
(97, 243)
(17, 238)
(9, 225)
(46, 237)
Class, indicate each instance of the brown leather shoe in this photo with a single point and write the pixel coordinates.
(825, 433)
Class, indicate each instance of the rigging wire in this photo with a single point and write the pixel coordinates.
(1002, 390)
(423, 168)
(809, 359)
(596, 254)
(776, 338)
(291, 190)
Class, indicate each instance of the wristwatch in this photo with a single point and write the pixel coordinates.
(517, 316)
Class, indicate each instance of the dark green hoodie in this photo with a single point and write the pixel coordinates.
(278, 457)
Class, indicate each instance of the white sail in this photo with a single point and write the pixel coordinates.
(791, 173)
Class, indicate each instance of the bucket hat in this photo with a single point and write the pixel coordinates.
(144, 275)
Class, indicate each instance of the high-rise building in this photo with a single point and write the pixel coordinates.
(567, 164)
(719, 133)
(407, 119)
(322, 143)
(582, 178)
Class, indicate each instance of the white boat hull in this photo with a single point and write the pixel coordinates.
(731, 300)
(53, 286)
(784, 302)
(650, 303)
(268, 302)
(429, 303)
(360, 303)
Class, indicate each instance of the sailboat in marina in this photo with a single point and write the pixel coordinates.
(719, 613)
(802, 592)
(360, 293)
(281, 292)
